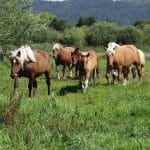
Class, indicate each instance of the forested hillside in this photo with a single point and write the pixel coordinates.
(121, 12)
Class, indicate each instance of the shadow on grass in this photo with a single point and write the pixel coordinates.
(69, 89)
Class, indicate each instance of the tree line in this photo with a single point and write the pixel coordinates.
(19, 25)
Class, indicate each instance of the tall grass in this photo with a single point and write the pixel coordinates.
(106, 117)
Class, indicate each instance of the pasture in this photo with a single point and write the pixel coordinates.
(106, 117)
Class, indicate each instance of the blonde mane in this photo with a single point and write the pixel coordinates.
(57, 46)
(24, 54)
(111, 47)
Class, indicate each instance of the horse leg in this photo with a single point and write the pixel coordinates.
(57, 70)
(94, 75)
(64, 67)
(34, 88)
(139, 69)
(48, 81)
(107, 75)
(97, 72)
(119, 74)
(70, 70)
(76, 70)
(80, 78)
(30, 86)
(15, 86)
(114, 79)
(85, 82)
(126, 72)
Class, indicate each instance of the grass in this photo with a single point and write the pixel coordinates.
(106, 117)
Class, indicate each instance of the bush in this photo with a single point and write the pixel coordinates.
(74, 36)
(101, 33)
(45, 35)
(130, 35)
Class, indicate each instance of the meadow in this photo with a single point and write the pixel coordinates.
(105, 117)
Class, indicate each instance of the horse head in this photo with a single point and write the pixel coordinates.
(19, 58)
(75, 56)
(110, 53)
(56, 50)
(15, 64)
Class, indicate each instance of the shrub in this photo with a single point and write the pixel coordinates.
(101, 33)
(74, 36)
(130, 35)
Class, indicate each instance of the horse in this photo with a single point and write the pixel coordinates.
(31, 64)
(62, 56)
(88, 62)
(123, 57)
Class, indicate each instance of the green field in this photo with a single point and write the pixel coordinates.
(106, 117)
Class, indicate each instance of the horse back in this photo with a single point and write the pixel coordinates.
(127, 55)
(43, 63)
(92, 61)
(65, 54)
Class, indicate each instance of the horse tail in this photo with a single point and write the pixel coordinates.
(142, 57)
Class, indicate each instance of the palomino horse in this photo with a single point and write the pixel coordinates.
(88, 62)
(122, 57)
(29, 63)
(62, 56)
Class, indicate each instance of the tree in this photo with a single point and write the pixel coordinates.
(88, 21)
(59, 24)
(15, 21)
(101, 33)
(130, 35)
(74, 36)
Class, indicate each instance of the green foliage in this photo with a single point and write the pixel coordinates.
(20, 26)
(142, 22)
(45, 18)
(86, 21)
(45, 35)
(15, 21)
(59, 24)
(130, 35)
(101, 33)
(74, 36)
(146, 34)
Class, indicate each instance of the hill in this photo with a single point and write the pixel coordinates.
(120, 11)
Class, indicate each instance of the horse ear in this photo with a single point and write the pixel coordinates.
(18, 54)
(88, 54)
(77, 49)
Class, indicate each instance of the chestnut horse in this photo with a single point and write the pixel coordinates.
(31, 64)
(122, 57)
(88, 62)
(62, 56)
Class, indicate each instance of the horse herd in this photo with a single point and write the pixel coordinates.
(31, 63)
